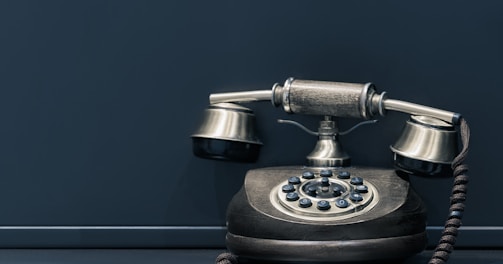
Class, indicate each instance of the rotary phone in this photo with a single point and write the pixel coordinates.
(329, 210)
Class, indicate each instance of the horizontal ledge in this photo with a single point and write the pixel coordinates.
(480, 228)
(50, 227)
(181, 236)
(112, 228)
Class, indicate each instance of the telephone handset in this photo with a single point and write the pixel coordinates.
(329, 210)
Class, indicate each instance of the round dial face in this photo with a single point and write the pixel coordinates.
(324, 195)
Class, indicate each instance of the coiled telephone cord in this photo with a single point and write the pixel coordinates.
(226, 258)
(458, 196)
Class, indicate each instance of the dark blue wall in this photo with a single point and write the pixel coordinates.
(98, 98)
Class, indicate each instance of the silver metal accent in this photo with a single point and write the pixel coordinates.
(427, 139)
(299, 125)
(367, 92)
(370, 199)
(333, 99)
(327, 98)
(368, 122)
(228, 122)
(275, 93)
(328, 151)
(310, 132)
(382, 97)
(240, 97)
(286, 94)
(416, 109)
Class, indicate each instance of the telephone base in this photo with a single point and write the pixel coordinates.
(395, 249)
(386, 223)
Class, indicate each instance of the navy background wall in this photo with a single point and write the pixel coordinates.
(98, 100)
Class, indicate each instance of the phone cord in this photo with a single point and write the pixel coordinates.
(458, 196)
(448, 239)
(226, 258)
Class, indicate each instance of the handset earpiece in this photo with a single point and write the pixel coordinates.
(426, 147)
(228, 132)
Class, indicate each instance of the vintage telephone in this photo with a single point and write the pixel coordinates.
(329, 210)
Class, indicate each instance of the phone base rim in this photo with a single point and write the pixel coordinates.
(340, 251)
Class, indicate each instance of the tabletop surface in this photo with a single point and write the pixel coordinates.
(192, 256)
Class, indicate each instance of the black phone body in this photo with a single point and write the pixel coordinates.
(337, 215)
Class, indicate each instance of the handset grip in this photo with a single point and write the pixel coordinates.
(325, 98)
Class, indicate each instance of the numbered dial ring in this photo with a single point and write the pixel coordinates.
(324, 195)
